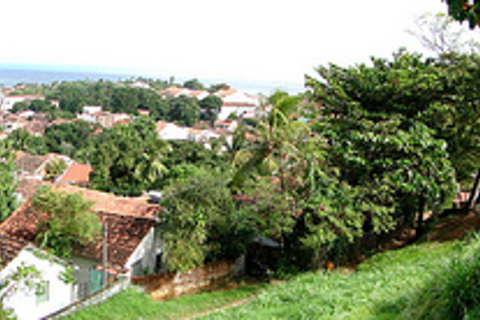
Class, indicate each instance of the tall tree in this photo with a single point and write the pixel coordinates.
(184, 110)
(127, 159)
(377, 138)
(8, 182)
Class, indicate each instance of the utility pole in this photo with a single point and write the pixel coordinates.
(104, 252)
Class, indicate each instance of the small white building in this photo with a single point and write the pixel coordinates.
(91, 109)
(170, 131)
(48, 289)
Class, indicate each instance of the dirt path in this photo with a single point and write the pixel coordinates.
(228, 306)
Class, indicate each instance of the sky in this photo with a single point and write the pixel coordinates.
(250, 40)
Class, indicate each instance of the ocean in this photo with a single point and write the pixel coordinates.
(12, 75)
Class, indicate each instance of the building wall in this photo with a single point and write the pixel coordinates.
(171, 284)
(225, 111)
(82, 274)
(24, 301)
(143, 259)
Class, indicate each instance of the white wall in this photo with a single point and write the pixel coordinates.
(144, 257)
(24, 300)
(173, 132)
(246, 111)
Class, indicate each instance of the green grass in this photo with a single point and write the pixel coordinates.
(135, 304)
(425, 281)
(384, 287)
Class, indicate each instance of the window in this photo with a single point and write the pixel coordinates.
(43, 292)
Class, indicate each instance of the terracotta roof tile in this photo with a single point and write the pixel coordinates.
(27, 187)
(30, 163)
(124, 234)
(77, 173)
(10, 248)
(102, 201)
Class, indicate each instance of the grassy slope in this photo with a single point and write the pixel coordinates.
(134, 304)
(398, 284)
(379, 289)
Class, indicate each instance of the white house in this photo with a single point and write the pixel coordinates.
(9, 101)
(48, 290)
(132, 243)
(91, 109)
(170, 131)
(89, 113)
(238, 103)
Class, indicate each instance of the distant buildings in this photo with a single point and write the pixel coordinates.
(7, 102)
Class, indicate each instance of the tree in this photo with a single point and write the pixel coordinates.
(68, 138)
(441, 34)
(216, 87)
(20, 106)
(68, 220)
(210, 107)
(193, 84)
(274, 141)
(378, 140)
(201, 222)
(72, 97)
(22, 140)
(8, 182)
(184, 110)
(54, 169)
(127, 159)
(463, 10)
(455, 119)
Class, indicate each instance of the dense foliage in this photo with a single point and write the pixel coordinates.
(126, 159)
(463, 10)
(69, 219)
(8, 181)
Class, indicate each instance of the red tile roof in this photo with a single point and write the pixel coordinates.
(102, 201)
(9, 248)
(124, 234)
(77, 173)
(106, 202)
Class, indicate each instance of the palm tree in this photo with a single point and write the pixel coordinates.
(276, 139)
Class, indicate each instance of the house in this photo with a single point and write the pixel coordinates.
(170, 131)
(238, 103)
(48, 292)
(91, 109)
(139, 84)
(198, 94)
(9, 101)
(32, 165)
(228, 125)
(133, 242)
(13, 122)
(144, 112)
(104, 118)
(26, 114)
(76, 173)
(174, 92)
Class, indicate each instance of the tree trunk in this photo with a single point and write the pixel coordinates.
(473, 193)
(421, 207)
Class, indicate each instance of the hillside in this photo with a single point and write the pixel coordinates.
(400, 284)
(433, 279)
